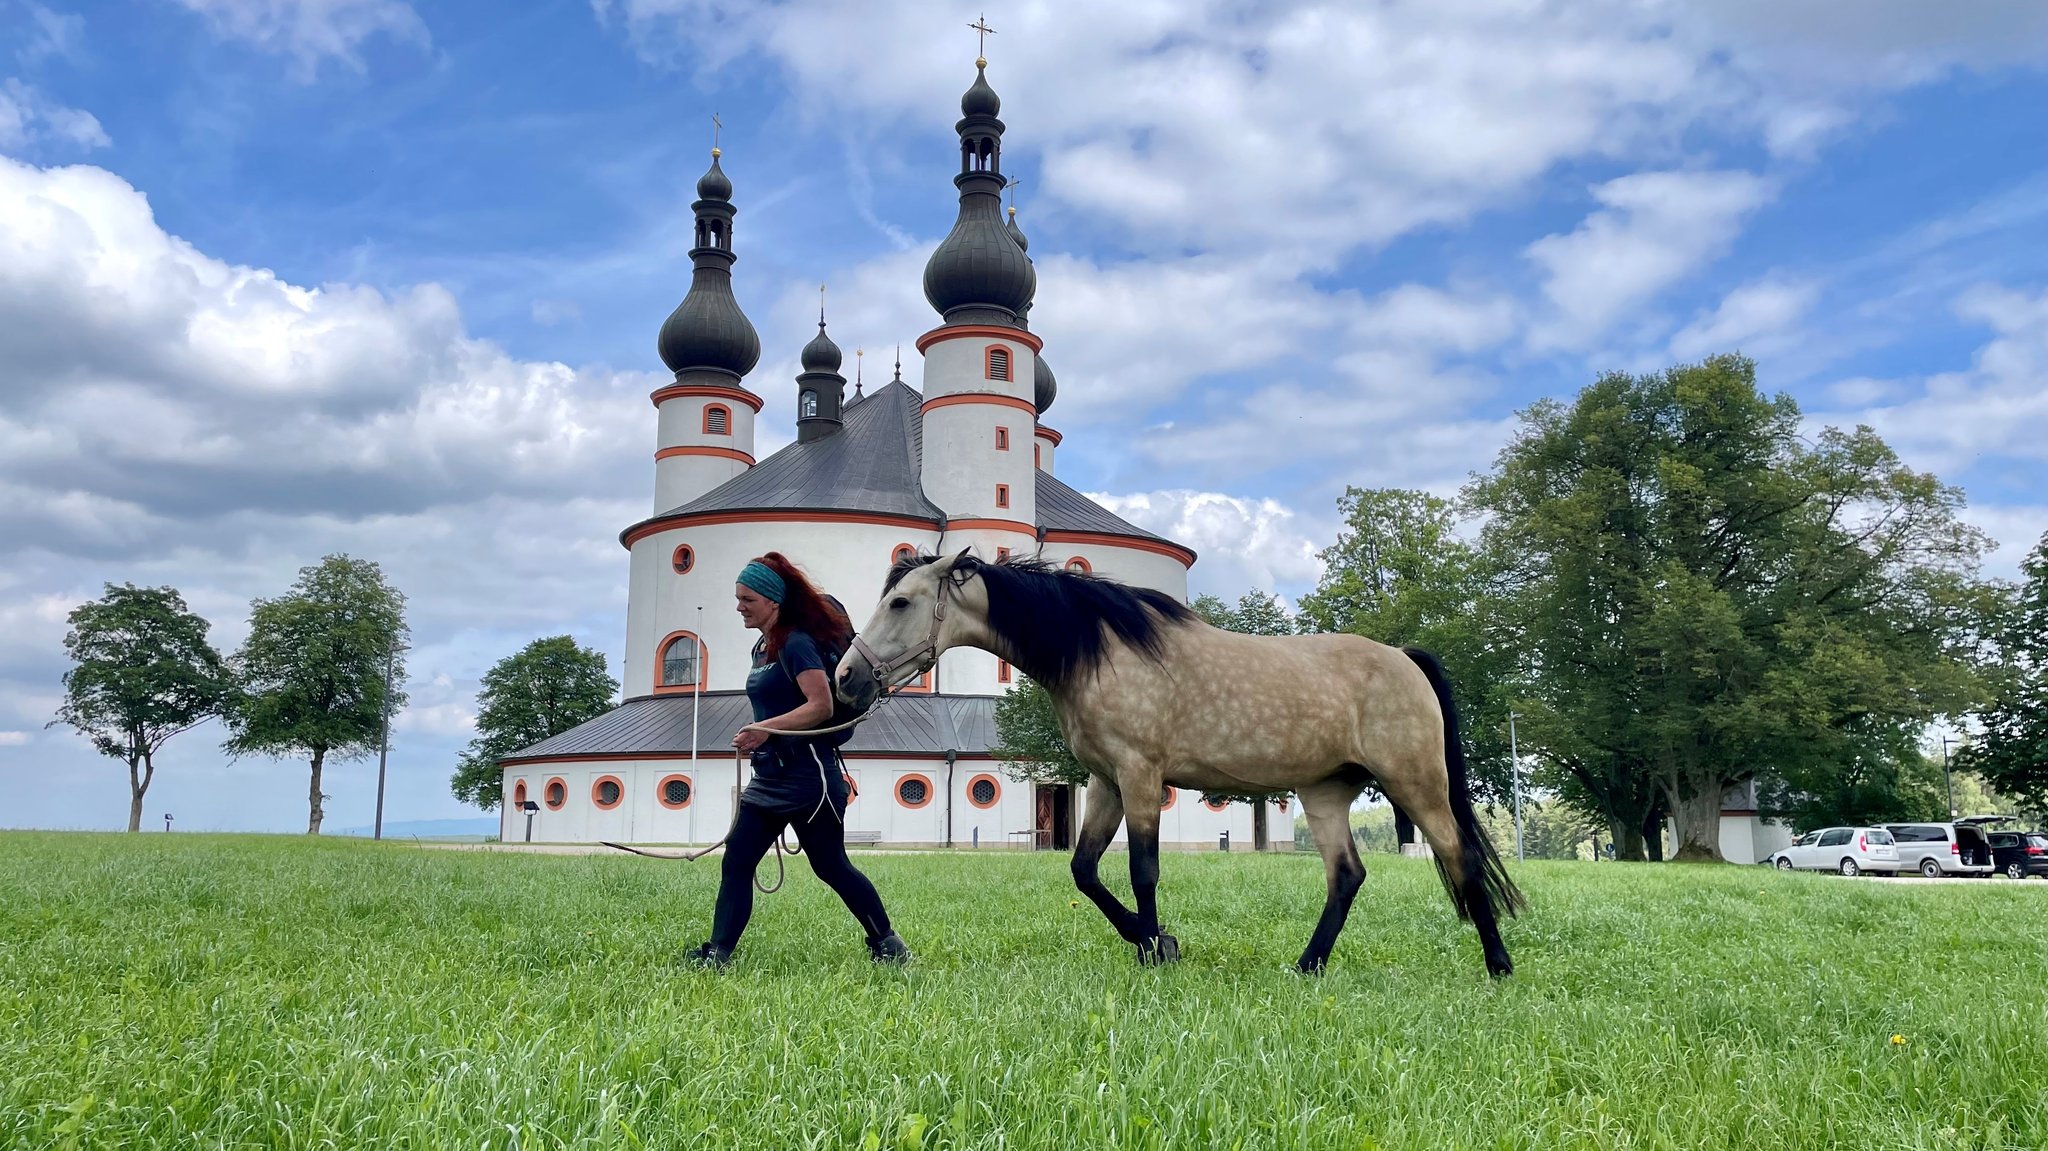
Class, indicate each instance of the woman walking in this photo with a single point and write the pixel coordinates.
(796, 781)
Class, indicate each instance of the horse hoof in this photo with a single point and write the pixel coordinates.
(1158, 950)
(1309, 967)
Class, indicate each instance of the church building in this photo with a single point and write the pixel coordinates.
(964, 461)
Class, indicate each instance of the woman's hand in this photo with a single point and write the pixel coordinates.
(749, 738)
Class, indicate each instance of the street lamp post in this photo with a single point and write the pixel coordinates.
(1947, 779)
(1515, 768)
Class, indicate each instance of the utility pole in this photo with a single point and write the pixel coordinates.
(384, 738)
(1515, 766)
(696, 700)
(1946, 778)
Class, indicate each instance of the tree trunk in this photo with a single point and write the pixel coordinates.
(1653, 834)
(1627, 839)
(315, 814)
(1698, 819)
(136, 786)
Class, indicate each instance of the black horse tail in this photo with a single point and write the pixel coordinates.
(1485, 876)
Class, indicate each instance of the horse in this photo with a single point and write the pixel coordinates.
(1148, 694)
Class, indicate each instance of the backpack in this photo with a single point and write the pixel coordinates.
(842, 712)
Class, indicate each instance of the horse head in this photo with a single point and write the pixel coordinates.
(923, 607)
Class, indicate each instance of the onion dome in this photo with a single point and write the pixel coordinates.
(980, 99)
(820, 389)
(1044, 388)
(1017, 233)
(978, 274)
(821, 354)
(707, 332)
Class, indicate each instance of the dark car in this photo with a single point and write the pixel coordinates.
(2018, 854)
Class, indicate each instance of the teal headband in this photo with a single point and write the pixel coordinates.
(763, 579)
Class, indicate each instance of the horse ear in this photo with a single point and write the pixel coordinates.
(965, 558)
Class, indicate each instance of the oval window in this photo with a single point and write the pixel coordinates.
(683, 560)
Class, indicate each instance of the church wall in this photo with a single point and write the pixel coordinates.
(1124, 564)
(962, 465)
(682, 471)
(1043, 448)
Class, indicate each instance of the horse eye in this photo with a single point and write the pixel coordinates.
(899, 603)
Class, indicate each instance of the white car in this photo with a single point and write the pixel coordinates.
(1849, 850)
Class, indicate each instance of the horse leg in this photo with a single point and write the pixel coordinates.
(1154, 946)
(1328, 807)
(1461, 859)
(1098, 826)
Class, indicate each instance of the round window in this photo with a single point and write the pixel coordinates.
(519, 793)
(675, 791)
(557, 794)
(683, 560)
(1165, 798)
(1078, 566)
(1214, 804)
(914, 790)
(902, 552)
(607, 792)
(983, 791)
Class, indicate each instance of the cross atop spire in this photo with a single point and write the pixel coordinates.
(715, 126)
(980, 26)
(821, 305)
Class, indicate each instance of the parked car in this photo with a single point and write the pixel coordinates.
(1937, 849)
(1849, 850)
(2018, 854)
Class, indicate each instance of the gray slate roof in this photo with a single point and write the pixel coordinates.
(871, 465)
(905, 725)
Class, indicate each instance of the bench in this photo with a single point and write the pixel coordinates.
(870, 837)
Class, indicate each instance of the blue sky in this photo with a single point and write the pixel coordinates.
(286, 277)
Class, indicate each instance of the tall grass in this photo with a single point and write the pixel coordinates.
(200, 991)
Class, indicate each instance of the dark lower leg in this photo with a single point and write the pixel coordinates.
(1154, 946)
(824, 843)
(752, 834)
(1484, 919)
(1345, 874)
(1087, 877)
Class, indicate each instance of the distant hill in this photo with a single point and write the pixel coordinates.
(432, 829)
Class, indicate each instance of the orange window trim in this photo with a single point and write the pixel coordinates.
(1214, 804)
(703, 664)
(991, 526)
(703, 450)
(929, 790)
(994, 356)
(555, 786)
(598, 783)
(721, 408)
(519, 793)
(702, 391)
(1080, 562)
(902, 551)
(1002, 439)
(1002, 671)
(661, 791)
(1002, 495)
(995, 398)
(922, 686)
(1172, 794)
(979, 331)
(994, 782)
(529, 762)
(1037, 456)
(1002, 554)
(683, 560)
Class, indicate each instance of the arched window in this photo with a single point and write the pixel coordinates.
(998, 362)
(808, 405)
(519, 794)
(681, 661)
(606, 792)
(914, 791)
(674, 792)
(1078, 566)
(984, 791)
(902, 552)
(683, 560)
(717, 420)
(555, 794)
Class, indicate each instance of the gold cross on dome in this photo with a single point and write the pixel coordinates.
(980, 25)
(715, 126)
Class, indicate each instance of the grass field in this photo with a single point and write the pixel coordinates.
(199, 991)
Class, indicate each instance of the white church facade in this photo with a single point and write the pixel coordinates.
(965, 462)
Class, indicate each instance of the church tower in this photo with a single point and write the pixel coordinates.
(706, 422)
(820, 389)
(981, 363)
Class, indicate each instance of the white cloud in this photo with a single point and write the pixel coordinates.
(56, 34)
(1654, 229)
(1757, 318)
(311, 31)
(27, 118)
(14, 738)
(1243, 542)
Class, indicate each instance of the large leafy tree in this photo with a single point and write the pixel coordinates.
(142, 671)
(315, 668)
(1401, 573)
(1704, 594)
(2012, 753)
(541, 690)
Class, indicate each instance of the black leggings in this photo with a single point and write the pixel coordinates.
(823, 838)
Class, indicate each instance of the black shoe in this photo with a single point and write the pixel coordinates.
(889, 949)
(709, 955)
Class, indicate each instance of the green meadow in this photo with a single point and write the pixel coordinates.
(193, 991)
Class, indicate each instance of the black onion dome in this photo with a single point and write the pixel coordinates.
(1017, 233)
(1044, 387)
(980, 99)
(708, 330)
(714, 185)
(978, 266)
(821, 354)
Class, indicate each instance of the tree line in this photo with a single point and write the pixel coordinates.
(1677, 588)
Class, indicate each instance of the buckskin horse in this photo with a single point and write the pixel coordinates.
(1148, 695)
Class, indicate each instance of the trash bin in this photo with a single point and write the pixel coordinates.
(1223, 841)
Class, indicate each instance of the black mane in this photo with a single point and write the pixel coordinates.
(1057, 623)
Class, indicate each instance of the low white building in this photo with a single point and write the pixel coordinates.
(965, 462)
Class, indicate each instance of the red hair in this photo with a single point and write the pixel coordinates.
(804, 608)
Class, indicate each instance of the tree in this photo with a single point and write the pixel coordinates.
(142, 672)
(1708, 596)
(315, 667)
(2012, 752)
(1401, 574)
(542, 690)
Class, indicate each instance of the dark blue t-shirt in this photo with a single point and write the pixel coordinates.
(790, 773)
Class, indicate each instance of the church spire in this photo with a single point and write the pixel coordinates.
(821, 390)
(978, 274)
(707, 333)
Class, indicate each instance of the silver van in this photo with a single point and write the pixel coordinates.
(1937, 849)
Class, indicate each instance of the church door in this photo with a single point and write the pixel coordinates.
(1054, 817)
(1258, 825)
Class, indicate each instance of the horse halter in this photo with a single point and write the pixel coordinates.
(886, 672)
